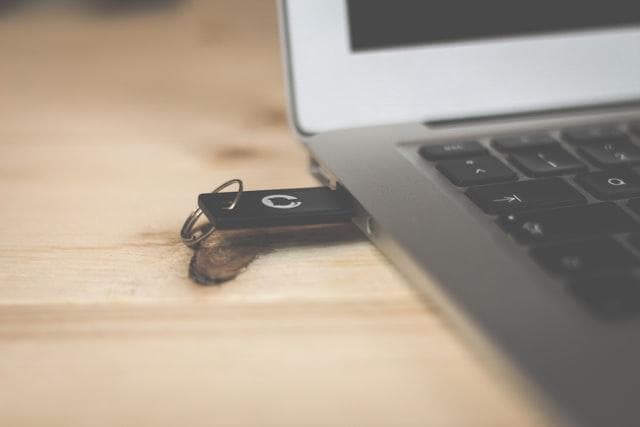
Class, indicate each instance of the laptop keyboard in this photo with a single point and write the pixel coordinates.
(571, 197)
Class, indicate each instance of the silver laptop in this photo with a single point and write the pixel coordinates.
(494, 152)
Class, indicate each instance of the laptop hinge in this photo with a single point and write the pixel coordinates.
(530, 114)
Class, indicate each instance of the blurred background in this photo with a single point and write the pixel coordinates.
(147, 63)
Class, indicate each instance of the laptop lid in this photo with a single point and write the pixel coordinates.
(368, 62)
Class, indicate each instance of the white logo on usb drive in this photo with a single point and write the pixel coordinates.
(281, 201)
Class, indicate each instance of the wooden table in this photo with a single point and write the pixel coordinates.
(109, 127)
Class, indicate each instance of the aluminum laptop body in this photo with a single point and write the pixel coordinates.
(379, 91)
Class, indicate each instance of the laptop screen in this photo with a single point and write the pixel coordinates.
(378, 24)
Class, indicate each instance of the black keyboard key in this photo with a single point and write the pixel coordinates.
(532, 194)
(611, 154)
(585, 257)
(513, 143)
(468, 171)
(611, 185)
(546, 161)
(609, 297)
(567, 223)
(451, 149)
(594, 134)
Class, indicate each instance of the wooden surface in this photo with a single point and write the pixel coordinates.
(108, 130)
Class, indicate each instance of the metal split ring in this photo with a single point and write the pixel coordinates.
(187, 234)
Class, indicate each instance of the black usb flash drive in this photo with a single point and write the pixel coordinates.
(267, 208)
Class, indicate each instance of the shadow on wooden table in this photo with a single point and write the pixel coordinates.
(227, 253)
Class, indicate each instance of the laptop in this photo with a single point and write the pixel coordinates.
(493, 150)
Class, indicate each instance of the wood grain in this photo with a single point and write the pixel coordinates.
(108, 130)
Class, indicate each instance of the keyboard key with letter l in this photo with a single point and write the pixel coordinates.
(467, 171)
(521, 142)
(533, 194)
(585, 257)
(567, 223)
(452, 149)
(611, 154)
(611, 185)
(545, 161)
(586, 135)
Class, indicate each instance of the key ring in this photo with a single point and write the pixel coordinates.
(187, 234)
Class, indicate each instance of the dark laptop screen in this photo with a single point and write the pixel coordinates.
(376, 24)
